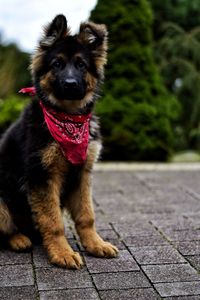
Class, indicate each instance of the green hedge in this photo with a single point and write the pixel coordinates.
(137, 112)
(10, 108)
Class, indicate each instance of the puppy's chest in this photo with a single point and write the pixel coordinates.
(53, 159)
(62, 174)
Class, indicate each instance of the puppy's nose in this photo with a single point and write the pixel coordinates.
(71, 83)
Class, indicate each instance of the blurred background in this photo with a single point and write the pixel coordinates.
(150, 104)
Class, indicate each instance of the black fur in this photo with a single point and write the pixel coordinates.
(21, 169)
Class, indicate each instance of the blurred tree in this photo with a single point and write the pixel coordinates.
(14, 75)
(177, 33)
(136, 110)
(14, 72)
(185, 13)
(178, 56)
(10, 110)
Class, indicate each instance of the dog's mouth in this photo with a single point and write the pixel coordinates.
(73, 95)
(69, 93)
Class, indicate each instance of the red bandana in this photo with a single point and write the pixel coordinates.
(71, 132)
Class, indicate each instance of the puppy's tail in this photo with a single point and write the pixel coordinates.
(7, 225)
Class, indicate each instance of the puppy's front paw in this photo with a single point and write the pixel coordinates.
(66, 259)
(102, 249)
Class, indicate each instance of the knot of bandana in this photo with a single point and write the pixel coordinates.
(71, 132)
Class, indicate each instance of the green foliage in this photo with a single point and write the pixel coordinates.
(136, 110)
(14, 75)
(182, 12)
(14, 72)
(10, 110)
(177, 53)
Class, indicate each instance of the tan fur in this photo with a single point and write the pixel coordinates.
(45, 201)
(6, 222)
(36, 60)
(63, 57)
(85, 36)
(46, 80)
(76, 105)
(70, 105)
(91, 82)
(93, 154)
(53, 157)
(45, 205)
(81, 209)
(19, 242)
(47, 41)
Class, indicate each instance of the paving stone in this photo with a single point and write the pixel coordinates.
(118, 206)
(182, 235)
(157, 208)
(194, 219)
(18, 293)
(120, 280)
(173, 222)
(134, 229)
(140, 241)
(156, 255)
(184, 208)
(124, 262)
(178, 288)
(188, 248)
(102, 224)
(40, 258)
(129, 216)
(74, 244)
(16, 275)
(130, 294)
(171, 273)
(11, 258)
(80, 294)
(68, 231)
(173, 195)
(194, 261)
(138, 205)
(183, 298)
(111, 181)
(57, 278)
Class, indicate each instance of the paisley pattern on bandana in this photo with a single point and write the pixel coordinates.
(71, 132)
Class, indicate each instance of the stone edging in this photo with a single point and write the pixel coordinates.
(121, 166)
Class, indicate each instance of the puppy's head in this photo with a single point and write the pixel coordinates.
(67, 69)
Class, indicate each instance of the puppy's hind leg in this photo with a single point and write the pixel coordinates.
(16, 240)
(19, 242)
(7, 225)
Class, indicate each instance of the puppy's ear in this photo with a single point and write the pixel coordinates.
(93, 35)
(56, 30)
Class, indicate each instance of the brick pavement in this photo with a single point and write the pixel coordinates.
(154, 219)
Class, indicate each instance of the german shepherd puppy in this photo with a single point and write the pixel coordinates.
(47, 155)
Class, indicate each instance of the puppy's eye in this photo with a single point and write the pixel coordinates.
(80, 64)
(57, 64)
